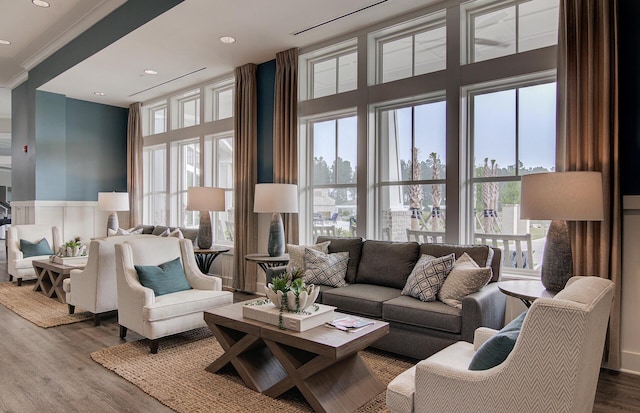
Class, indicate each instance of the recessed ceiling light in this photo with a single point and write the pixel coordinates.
(99, 93)
(5, 42)
(150, 72)
(227, 39)
(40, 3)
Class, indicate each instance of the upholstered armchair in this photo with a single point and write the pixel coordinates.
(553, 366)
(156, 316)
(19, 263)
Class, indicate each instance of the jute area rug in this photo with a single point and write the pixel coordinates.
(41, 310)
(177, 378)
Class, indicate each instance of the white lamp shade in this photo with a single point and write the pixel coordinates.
(203, 198)
(276, 198)
(113, 201)
(565, 196)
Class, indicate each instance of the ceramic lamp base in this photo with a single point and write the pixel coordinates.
(557, 261)
(112, 222)
(275, 248)
(204, 231)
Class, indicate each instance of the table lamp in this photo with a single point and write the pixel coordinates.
(560, 197)
(276, 199)
(205, 199)
(113, 202)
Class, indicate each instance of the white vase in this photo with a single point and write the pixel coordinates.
(304, 301)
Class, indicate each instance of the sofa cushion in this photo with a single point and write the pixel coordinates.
(184, 302)
(481, 254)
(363, 299)
(327, 269)
(34, 249)
(146, 229)
(351, 245)
(159, 230)
(165, 278)
(387, 263)
(465, 278)
(434, 314)
(296, 254)
(427, 277)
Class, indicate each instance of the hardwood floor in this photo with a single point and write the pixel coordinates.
(49, 370)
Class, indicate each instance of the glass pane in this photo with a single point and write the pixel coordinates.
(334, 210)
(415, 207)
(225, 163)
(324, 151)
(397, 59)
(159, 120)
(430, 51)
(346, 162)
(395, 144)
(190, 112)
(494, 128)
(494, 34)
(537, 24)
(158, 213)
(224, 104)
(348, 72)
(537, 128)
(158, 171)
(430, 140)
(324, 78)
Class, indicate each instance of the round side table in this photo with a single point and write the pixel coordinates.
(525, 290)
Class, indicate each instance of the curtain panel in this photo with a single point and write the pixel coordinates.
(134, 163)
(587, 129)
(245, 176)
(285, 131)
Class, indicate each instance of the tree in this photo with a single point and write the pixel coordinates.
(321, 173)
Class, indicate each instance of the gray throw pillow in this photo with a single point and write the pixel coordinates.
(35, 249)
(427, 277)
(495, 350)
(465, 278)
(296, 254)
(325, 269)
(165, 278)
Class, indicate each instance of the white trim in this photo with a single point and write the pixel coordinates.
(38, 203)
(631, 362)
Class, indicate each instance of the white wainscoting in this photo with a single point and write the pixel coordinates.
(73, 218)
(630, 340)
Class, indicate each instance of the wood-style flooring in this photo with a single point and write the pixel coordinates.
(49, 370)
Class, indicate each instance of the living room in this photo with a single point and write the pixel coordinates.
(95, 143)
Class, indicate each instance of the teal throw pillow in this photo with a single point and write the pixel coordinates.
(34, 249)
(496, 350)
(166, 278)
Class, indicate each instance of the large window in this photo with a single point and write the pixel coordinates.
(219, 158)
(427, 117)
(187, 165)
(155, 185)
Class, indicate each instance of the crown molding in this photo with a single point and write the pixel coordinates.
(18, 79)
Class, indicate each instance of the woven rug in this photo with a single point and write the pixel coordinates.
(177, 378)
(41, 310)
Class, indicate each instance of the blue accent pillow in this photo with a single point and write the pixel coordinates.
(495, 350)
(166, 278)
(34, 249)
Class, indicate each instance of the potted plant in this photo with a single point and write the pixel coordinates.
(288, 292)
(73, 248)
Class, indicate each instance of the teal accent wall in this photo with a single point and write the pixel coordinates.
(266, 78)
(22, 164)
(50, 148)
(96, 149)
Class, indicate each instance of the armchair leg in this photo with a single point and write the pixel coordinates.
(123, 332)
(10, 277)
(19, 281)
(96, 320)
(72, 308)
(153, 346)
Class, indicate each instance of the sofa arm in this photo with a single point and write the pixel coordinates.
(484, 308)
(273, 272)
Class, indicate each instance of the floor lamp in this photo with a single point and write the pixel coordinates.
(113, 202)
(205, 199)
(560, 197)
(276, 199)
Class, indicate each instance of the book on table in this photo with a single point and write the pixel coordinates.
(349, 323)
(302, 321)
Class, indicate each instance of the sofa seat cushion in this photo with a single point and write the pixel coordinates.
(434, 314)
(183, 303)
(351, 245)
(27, 262)
(387, 263)
(364, 299)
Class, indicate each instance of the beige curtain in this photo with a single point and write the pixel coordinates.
(588, 126)
(245, 175)
(134, 163)
(285, 130)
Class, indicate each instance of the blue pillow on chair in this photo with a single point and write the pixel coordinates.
(34, 249)
(495, 350)
(163, 279)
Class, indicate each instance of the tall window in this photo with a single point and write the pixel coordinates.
(189, 109)
(427, 117)
(155, 185)
(187, 166)
(219, 160)
(158, 119)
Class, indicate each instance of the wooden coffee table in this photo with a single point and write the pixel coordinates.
(50, 276)
(323, 363)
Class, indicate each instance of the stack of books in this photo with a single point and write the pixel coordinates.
(269, 313)
(350, 323)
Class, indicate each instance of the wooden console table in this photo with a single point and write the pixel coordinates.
(50, 276)
(323, 363)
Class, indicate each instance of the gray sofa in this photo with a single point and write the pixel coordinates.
(188, 233)
(378, 270)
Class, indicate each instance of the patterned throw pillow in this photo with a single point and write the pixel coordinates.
(121, 231)
(465, 278)
(296, 254)
(325, 269)
(427, 276)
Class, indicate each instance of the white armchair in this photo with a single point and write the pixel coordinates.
(155, 317)
(19, 266)
(553, 367)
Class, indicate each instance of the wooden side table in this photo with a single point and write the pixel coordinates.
(205, 257)
(50, 277)
(525, 290)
